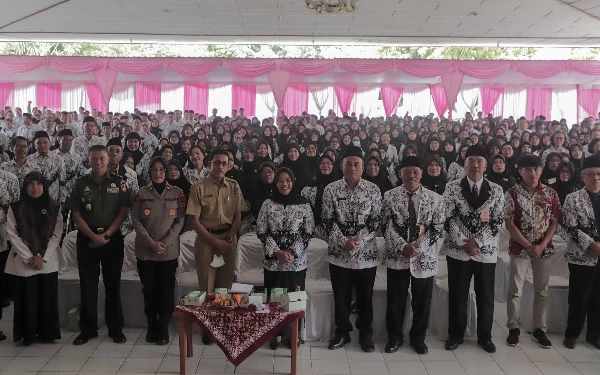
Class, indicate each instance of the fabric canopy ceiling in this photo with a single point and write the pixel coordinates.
(280, 73)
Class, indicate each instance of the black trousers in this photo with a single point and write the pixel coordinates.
(3, 276)
(584, 300)
(343, 280)
(110, 257)
(398, 282)
(459, 283)
(36, 308)
(284, 279)
(158, 286)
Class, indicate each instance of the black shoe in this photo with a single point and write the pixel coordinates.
(275, 343)
(26, 342)
(353, 307)
(5, 303)
(540, 337)
(2, 336)
(287, 341)
(419, 347)
(162, 342)
(570, 343)
(393, 345)
(339, 341)
(452, 344)
(151, 332)
(83, 338)
(594, 342)
(367, 345)
(118, 337)
(488, 346)
(206, 340)
(513, 337)
(162, 330)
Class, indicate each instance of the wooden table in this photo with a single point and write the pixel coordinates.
(186, 339)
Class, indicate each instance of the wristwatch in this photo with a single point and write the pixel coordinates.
(107, 236)
(228, 239)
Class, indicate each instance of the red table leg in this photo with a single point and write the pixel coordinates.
(182, 350)
(294, 345)
(190, 339)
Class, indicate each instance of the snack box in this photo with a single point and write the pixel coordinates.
(195, 298)
(221, 292)
(277, 294)
(295, 301)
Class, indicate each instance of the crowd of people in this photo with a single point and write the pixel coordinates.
(428, 186)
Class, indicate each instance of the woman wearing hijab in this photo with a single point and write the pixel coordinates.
(285, 225)
(158, 215)
(264, 187)
(456, 171)
(374, 173)
(311, 157)
(576, 157)
(176, 177)
(565, 183)
(34, 227)
(314, 191)
(292, 161)
(498, 174)
(508, 152)
(433, 148)
(434, 177)
(550, 171)
(450, 153)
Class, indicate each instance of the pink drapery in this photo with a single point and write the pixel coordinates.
(95, 96)
(49, 95)
(195, 97)
(489, 98)
(6, 94)
(440, 101)
(589, 100)
(279, 80)
(344, 96)
(539, 102)
(244, 96)
(390, 97)
(106, 79)
(295, 101)
(147, 96)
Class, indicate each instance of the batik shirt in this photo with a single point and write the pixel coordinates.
(9, 193)
(148, 145)
(4, 141)
(532, 213)
(348, 214)
(73, 168)
(464, 222)
(193, 176)
(427, 230)
(28, 131)
(53, 169)
(81, 146)
(287, 228)
(456, 172)
(22, 171)
(579, 228)
(310, 193)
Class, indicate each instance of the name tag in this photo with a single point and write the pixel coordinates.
(172, 213)
(421, 230)
(361, 219)
(111, 190)
(485, 215)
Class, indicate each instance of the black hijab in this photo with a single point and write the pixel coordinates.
(298, 167)
(565, 188)
(320, 182)
(181, 182)
(438, 183)
(504, 179)
(294, 197)
(381, 180)
(262, 190)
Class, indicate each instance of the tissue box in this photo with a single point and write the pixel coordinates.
(195, 298)
(277, 294)
(295, 301)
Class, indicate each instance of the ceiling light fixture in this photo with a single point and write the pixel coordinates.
(327, 6)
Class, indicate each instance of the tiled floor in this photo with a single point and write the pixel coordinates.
(102, 356)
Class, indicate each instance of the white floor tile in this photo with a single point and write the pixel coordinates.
(355, 354)
(584, 355)
(41, 350)
(64, 364)
(26, 364)
(519, 368)
(9, 349)
(4, 361)
(148, 351)
(587, 368)
(57, 373)
(324, 353)
(405, 353)
(171, 364)
(544, 355)
(137, 365)
(302, 353)
(439, 354)
(406, 368)
(70, 350)
(110, 365)
(212, 366)
(256, 364)
(213, 351)
(18, 372)
(509, 354)
(330, 367)
(480, 367)
(364, 367)
(550, 368)
(444, 368)
(112, 350)
(471, 354)
(284, 366)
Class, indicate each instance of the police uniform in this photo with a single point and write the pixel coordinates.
(99, 203)
(216, 207)
(158, 217)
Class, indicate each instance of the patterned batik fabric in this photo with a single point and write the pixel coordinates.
(348, 214)
(22, 171)
(193, 176)
(53, 169)
(532, 212)
(396, 226)
(73, 168)
(81, 146)
(287, 228)
(464, 222)
(579, 228)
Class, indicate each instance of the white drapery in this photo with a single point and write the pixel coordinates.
(515, 102)
(123, 98)
(321, 96)
(564, 103)
(467, 101)
(416, 101)
(74, 96)
(171, 96)
(23, 93)
(266, 106)
(368, 103)
(219, 97)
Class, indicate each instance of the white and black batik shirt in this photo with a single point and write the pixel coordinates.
(53, 169)
(348, 214)
(288, 228)
(73, 168)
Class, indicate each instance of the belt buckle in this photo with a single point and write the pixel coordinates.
(100, 230)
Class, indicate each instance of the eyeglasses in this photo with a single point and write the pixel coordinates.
(267, 173)
(592, 174)
(476, 162)
(221, 163)
(326, 164)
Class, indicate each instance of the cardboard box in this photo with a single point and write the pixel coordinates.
(277, 294)
(195, 298)
(295, 301)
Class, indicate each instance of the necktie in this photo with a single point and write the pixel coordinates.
(412, 217)
(475, 195)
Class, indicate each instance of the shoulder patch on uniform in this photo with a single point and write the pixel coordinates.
(182, 200)
(123, 186)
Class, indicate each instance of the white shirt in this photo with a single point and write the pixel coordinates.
(478, 183)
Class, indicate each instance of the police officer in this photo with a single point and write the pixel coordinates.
(215, 207)
(158, 215)
(99, 204)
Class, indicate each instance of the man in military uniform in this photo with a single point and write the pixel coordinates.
(99, 204)
(214, 209)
